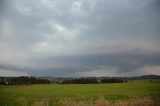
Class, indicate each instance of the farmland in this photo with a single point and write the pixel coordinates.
(52, 94)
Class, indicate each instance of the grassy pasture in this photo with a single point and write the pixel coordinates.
(51, 94)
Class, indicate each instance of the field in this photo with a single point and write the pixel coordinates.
(55, 94)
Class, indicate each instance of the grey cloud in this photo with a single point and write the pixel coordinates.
(122, 62)
(65, 37)
(61, 66)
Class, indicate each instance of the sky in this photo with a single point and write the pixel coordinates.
(79, 38)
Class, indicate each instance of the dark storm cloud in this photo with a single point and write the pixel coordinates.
(123, 62)
(82, 37)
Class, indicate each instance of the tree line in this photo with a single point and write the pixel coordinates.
(22, 80)
(92, 80)
(25, 80)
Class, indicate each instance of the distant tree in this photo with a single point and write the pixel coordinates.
(80, 81)
(111, 80)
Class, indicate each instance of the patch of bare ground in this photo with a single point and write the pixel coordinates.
(22, 101)
(44, 102)
(103, 102)
(40, 102)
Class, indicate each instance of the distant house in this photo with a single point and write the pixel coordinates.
(6, 83)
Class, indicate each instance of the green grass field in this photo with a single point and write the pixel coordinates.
(30, 95)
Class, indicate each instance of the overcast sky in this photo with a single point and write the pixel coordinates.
(72, 38)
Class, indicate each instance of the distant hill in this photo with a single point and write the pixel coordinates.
(144, 77)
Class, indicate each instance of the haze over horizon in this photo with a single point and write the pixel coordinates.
(70, 38)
